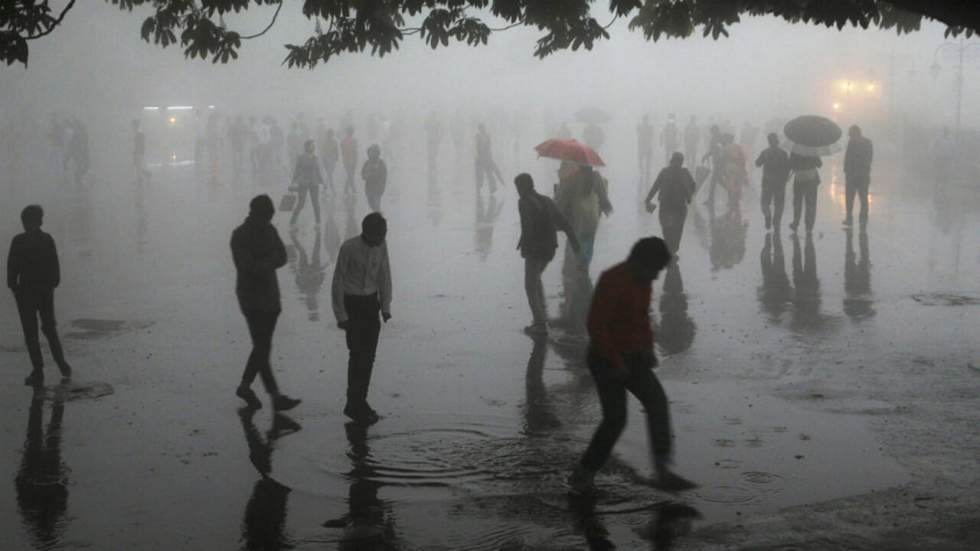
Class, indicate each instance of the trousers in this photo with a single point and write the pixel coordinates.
(261, 326)
(805, 196)
(314, 192)
(363, 332)
(856, 186)
(533, 268)
(774, 195)
(640, 382)
(32, 304)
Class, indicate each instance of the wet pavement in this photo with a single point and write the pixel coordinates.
(840, 369)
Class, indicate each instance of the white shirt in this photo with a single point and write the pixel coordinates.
(361, 270)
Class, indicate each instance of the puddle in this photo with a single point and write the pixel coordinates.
(945, 299)
(89, 329)
(76, 390)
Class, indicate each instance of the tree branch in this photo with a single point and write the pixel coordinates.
(57, 22)
(265, 30)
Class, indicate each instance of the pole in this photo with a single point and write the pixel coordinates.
(959, 91)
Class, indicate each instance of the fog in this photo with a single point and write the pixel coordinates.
(821, 379)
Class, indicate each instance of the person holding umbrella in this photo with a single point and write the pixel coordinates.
(808, 138)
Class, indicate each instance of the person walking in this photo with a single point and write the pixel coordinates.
(644, 142)
(540, 219)
(139, 152)
(715, 153)
(486, 168)
(775, 173)
(33, 273)
(375, 175)
(857, 173)
(258, 252)
(692, 139)
(330, 152)
(621, 358)
(673, 188)
(306, 181)
(348, 154)
(670, 137)
(806, 178)
(361, 290)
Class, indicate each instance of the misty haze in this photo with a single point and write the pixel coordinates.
(687, 293)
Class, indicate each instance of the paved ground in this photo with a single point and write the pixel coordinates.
(824, 391)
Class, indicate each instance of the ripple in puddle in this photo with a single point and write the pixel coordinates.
(760, 477)
(727, 494)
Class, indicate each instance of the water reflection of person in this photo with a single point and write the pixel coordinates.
(265, 514)
(539, 414)
(367, 524)
(670, 521)
(728, 233)
(487, 213)
(776, 291)
(42, 480)
(858, 302)
(676, 331)
(310, 273)
(806, 301)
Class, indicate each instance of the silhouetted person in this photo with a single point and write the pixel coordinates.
(644, 142)
(258, 253)
(306, 181)
(361, 291)
(348, 154)
(265, 514)
(375, 175)
(139, 152)
(330, 153)
(670, 137)
(692, 139)
(806, 179)
(486, 168)
(540, 220)
(621, 358)
(714, 153)
(857, 173)
(775, 174)
(673, 188)
(33, 273)
(42, 481)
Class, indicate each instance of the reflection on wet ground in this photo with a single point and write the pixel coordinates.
(481, 423)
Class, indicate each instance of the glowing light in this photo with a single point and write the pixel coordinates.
(172, 120)
(837, 106)
(151, 108)
(179, 107)
(210, 107)
(871, 87)
(173, 156)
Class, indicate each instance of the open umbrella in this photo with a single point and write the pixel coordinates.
(593, 115)
(812, 136)
(571, 150)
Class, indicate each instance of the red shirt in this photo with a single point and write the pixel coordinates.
(619, 319)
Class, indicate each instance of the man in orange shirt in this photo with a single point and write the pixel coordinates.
(621, 358)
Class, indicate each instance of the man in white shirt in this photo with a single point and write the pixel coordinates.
(361, 290)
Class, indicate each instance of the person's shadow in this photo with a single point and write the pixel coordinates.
(265, 514)
(539, 414)
(42, 480)
(858, 299)
(367, 524)
(776, 291)
(806, 301)
(310, 274)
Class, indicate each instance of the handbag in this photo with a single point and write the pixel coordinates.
(287, 202)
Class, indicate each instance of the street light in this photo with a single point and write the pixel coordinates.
(962, 50)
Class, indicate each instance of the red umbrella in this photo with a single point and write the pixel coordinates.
(572, 151)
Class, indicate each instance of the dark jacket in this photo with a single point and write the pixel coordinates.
(540, 220)
(32, 263)
(857, 158)
(805, 168)
(258, 252)
(775, 165)
(307, 171)
(375, 173)
(674, 185)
